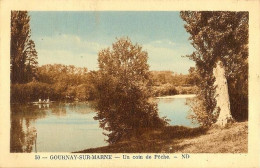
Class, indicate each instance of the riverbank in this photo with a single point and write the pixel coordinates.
(177, 139)
(74, 101)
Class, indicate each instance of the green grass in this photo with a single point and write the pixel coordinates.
(175, 139)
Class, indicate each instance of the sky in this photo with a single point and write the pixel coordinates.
(75, 38)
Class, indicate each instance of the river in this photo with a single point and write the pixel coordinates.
(68, 127)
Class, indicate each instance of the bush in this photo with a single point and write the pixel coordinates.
(164, 90)
(30, 92)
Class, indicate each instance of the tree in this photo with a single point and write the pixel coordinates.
(23, 52)
(122, 91)
(192, 77)
(31, 61)
(220, 36)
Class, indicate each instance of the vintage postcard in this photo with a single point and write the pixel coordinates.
(130, 84)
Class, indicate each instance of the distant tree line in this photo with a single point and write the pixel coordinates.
(57, 82)
(170, 83)
(67, 82)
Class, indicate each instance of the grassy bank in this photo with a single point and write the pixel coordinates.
(173, 139)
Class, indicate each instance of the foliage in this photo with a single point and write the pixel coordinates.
(220, 36)
(193, 78)
(69, 82)
(163, 90)
(30, 91)
(57, 82)
(122, 91)
(169, 77)
(23, 53)
(62, 73)
(170, 83)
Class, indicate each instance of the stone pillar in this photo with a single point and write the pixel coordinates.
(222, 96)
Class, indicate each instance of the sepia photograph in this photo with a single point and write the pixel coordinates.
(113, 83)
(129, 82)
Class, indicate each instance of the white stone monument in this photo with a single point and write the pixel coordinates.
(222, 96)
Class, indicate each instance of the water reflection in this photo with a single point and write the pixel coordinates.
(22, 139)
(23, 134)
(60, 127)
(43, 105)
(68, 127)
(177, 110)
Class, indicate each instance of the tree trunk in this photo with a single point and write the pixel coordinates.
(222, 96)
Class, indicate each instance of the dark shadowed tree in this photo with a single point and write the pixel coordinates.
(193, 76)
(31, 61)
(219, 36)
(122, 91)
(23, 53)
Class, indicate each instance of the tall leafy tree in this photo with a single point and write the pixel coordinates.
(31, 62)
(23, 52)
(220, 36)
(122, 91)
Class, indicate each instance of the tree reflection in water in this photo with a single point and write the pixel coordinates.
(24, 119)
(23, 134)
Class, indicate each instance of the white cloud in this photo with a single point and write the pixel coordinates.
(69, 50)
(67, 58)
(165, 57)
(164, 43)
(73, 50)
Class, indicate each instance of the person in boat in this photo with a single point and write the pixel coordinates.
(48, 100)
(40, 100)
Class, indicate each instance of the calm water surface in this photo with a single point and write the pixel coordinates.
(177, 111)
(68, 127)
